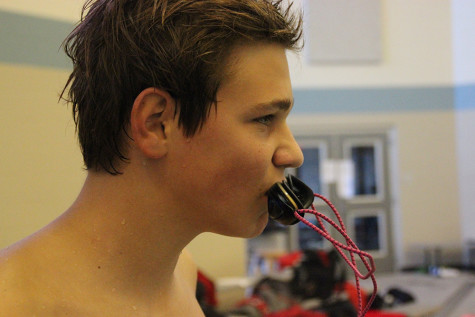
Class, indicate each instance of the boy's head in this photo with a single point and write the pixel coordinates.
(122, 47)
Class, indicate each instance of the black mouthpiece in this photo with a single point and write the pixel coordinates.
(287, 197)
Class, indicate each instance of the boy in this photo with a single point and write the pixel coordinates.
(180, 109)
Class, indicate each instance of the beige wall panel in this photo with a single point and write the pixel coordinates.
(64, 10)
(41, 171)
(219, 256)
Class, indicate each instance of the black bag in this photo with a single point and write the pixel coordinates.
(318, 274)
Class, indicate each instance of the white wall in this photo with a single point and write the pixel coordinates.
(463, 16)
(463, 41)
(416, 40)
(466, 171)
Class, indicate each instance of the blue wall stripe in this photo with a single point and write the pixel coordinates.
(32, 40)
(373, 99)
(465, 97)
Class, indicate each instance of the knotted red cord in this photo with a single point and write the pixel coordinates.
(350, 247)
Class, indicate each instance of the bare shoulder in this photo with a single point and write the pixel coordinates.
(23, 290)
(13, 285)
(187, 269)
(27, 289)
(9, 269)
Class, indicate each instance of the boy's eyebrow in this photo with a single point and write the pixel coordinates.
(279, 104)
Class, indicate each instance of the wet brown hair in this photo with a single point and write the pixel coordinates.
(121, 47)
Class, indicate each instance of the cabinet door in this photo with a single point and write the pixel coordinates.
(368, 212)
(365, 202)
(315, 151)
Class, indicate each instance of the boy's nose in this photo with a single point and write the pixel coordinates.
(288, 154)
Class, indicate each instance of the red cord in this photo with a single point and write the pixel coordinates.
(350, 247)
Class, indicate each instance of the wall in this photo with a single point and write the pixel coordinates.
(416, 40)
(411, 89)
(426, 193)
(57, 10)
(463, 15)
(41, 170)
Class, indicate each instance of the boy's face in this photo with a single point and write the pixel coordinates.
(222, 173)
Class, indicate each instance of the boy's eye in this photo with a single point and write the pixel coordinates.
(266, 120)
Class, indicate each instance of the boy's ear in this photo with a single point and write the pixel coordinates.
(152, 112)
